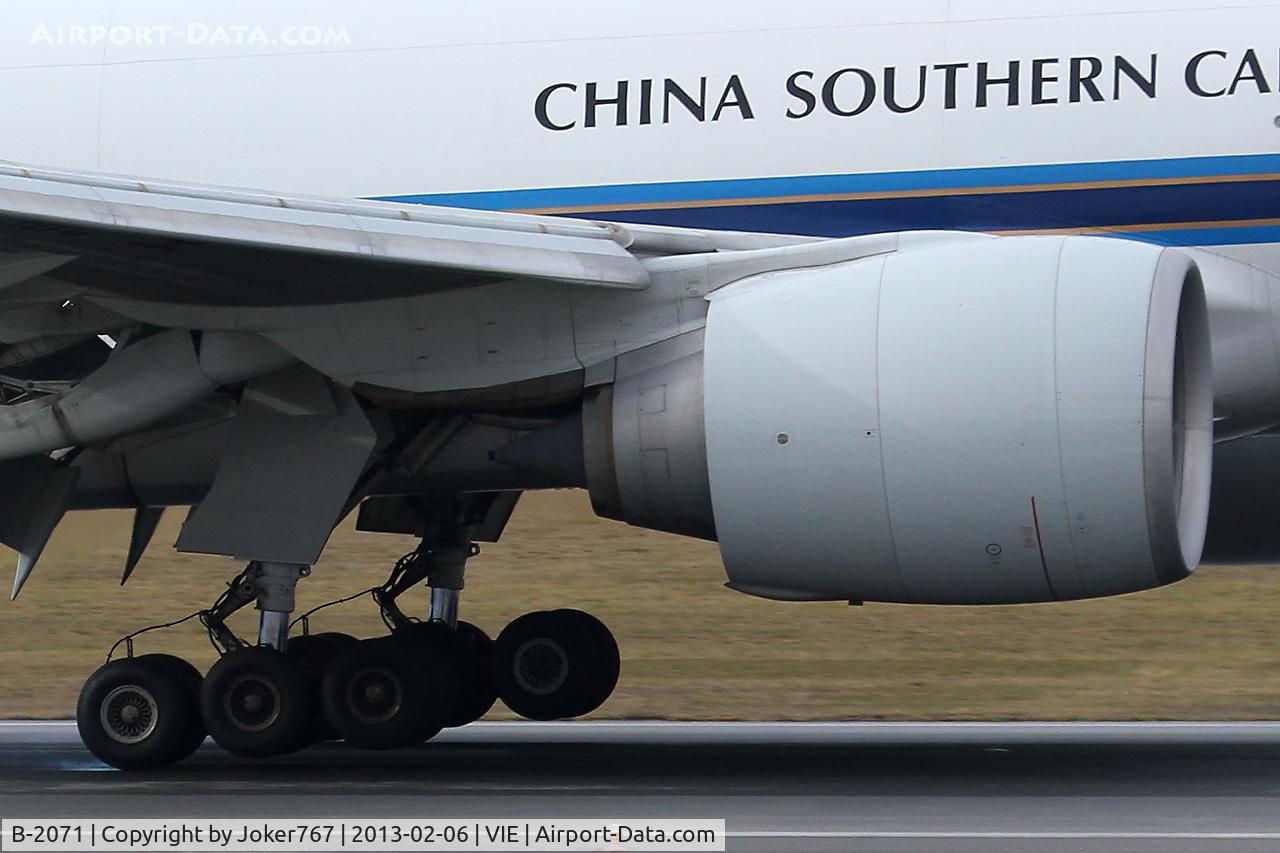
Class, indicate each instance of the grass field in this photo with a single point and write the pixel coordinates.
(1207, 649)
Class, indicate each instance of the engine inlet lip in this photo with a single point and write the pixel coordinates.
(1178, 417)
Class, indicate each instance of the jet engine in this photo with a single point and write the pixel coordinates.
(999, 421)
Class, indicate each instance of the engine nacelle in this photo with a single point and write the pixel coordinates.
(645, 444)
(981, 422)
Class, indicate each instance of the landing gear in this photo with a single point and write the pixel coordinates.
(610, 660)
(480, 699)
(555, 665)
(191, 681)
(257, 703)
(280, 695)
(454, 686)
(139, 714)
(380, 695)
(146, 712)
(315, 655)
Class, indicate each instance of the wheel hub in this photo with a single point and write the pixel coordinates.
(129, 714)
(253, 703)
(375, 696)
(541, 666)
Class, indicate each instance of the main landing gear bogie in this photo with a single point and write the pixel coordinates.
(398, 690)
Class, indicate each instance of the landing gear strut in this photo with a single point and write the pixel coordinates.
(400, 690)
(256, 701)
(278, 695)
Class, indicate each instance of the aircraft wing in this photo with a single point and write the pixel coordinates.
(211, 246)
(75, 373)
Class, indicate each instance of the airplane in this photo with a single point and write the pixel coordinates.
(960, 303)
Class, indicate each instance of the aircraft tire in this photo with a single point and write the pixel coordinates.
(380, 695)
(546, 666)
(485, 695)
(135, 714)
(464, 680)
(346, 641)
(476, 636)
(481, 693)
(256, 703)
(191, 680)
(315, 655)
(610, 662)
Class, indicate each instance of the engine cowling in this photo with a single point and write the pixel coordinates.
(982, 422)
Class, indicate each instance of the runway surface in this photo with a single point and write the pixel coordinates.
(795, 787)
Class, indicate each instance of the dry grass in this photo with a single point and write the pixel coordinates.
(693, 650)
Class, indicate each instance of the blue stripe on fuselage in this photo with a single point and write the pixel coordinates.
(1203, 201)
(1108, 209)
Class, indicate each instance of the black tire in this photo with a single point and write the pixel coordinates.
(610, 666)
(183, 670)
(465, 657)
(256, 703)
(191, 680)
(346, 641)
(315, 655)
(486, 695)
(378, 695)
(476, 636)
(454, 667)
(545, 665)
(135, 714)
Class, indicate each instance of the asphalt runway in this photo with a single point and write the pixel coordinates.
(794, 787)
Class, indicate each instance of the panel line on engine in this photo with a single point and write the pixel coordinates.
(1044, 562)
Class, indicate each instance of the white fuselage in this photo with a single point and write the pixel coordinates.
(1150, 118)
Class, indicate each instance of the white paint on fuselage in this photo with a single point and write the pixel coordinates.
(427, 98)
(439, 97)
